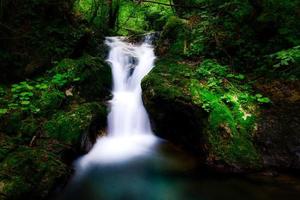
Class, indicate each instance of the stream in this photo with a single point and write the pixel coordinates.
(131, 163)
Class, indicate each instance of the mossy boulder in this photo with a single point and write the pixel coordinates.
(37, 153)
(169, 103)
(70, 126)
(50, 100)
(18, 123)
(61, 119)
(90, 75)
(30, 172)
(205, 114)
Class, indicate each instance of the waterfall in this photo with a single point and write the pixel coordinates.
(129, 65)
(129, 131)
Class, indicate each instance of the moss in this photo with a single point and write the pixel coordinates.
(29, 126)
(67, 127)
(11, 124)
(174, 31)
(7, 145)
(30, 172)
(49, 101)
(227, 100)
(169, 79)
(229, 132)
(95, 76)
(92, 75)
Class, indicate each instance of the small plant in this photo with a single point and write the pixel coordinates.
(22, 94)
(287, 62)
(286, 57)
(261, 99)
(219, 79)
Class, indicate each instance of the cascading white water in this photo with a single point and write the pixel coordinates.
(129, 64)
(129, 131)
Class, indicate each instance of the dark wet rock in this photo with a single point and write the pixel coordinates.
(171, 119)
(278, 133)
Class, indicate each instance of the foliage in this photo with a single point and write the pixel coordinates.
(232, 109)
(34, 33)
(140, 17)
(220, 79)
(23, 96)
(287, 57)
(94, 11)
(287, 62)
(239, 33)
(88, 75)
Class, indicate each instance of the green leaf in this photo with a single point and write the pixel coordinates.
(25, 102)
(76, 79)
(13, 105)
(3, 111)
(264, 100)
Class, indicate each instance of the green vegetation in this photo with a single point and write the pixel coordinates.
(69, 126)
(30, 169)
(224, 68)
(231, 103)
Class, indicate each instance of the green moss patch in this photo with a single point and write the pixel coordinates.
(29, 171)
(232, 109)
(226, 97)
(69, 126)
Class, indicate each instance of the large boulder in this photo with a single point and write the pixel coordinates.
(173, 114)
(36, 158)
(92, 76)
(195, 114)
(205, 110)
(78, 127)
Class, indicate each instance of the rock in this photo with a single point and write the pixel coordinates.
(278, 133)
(37, 160)
(50, 101)
(178, 110)
(84, 121)
(171, 114)
(227, 136)
(93, 74)
(30, 172)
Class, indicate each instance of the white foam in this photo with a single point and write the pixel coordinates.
(129, 131)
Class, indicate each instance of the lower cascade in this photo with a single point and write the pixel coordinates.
(129, 131)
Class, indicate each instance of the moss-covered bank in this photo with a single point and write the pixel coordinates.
(47, 122)
(206, 108)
